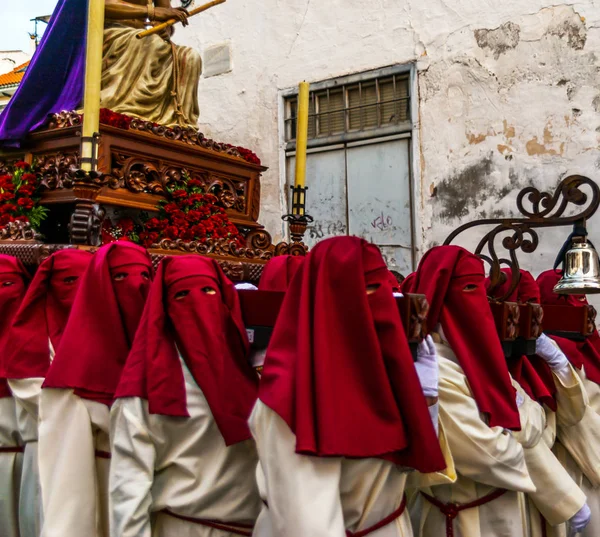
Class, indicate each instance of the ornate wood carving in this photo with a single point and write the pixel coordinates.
(255, 205)
(64, 119)
(537, 318)
(214, 247)
(506, 316)
(57, 170)
(19, 231)
(591, 320)
(136, 166)
(414, 310)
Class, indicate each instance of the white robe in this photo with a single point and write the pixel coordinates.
(558, 497)
(486, 459)
(10, 469)
(323, 497)
(578, 448)
(27, 394)
(27, 398)
(177, 464)
(73, 446)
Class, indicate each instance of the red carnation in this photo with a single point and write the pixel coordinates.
(26, 203)
(127, 225)
(22, 165)
(172, 232)
(26, 190)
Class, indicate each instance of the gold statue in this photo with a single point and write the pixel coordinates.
(150, 78)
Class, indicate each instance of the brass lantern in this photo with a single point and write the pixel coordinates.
(581, 270)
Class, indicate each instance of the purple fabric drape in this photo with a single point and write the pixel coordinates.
(55, 77)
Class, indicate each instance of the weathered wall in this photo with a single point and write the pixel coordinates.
(509, 91)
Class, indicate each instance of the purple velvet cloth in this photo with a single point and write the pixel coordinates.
(54, 79)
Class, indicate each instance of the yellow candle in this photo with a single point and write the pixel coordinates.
(93, 74)
(302, 133)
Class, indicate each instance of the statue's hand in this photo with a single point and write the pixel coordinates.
(166, 13)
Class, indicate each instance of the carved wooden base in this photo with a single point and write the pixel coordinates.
(136, 169)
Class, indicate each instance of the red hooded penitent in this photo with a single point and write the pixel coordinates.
(279, 271)
(579, 353)
(453, 280)
(339, 370)
(43, 314)
(13, 285)
(103, 322)
(531, 372)
(193, 307)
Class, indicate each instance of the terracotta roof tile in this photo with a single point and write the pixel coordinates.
(14, 77)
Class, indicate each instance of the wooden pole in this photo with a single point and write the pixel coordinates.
(160, 27)
(93, 76)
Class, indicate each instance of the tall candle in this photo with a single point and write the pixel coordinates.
(302, 133)
(93, 74)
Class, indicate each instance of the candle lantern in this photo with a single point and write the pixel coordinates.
(298, 220)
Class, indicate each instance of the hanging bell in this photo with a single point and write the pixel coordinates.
(581, 270)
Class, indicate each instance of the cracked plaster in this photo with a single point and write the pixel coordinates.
(508, 92)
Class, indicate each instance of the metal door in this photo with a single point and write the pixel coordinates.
(379, 200)
(362, 189)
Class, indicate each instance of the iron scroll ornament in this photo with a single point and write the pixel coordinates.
(547, 210)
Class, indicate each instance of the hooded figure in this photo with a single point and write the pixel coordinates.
(279, 272)
(477, 406)
(183, 459)
(531, 372)
(27, 353)
(547, 379)
(13, 284)
(577, 445)
(341, 413)
(74, 446)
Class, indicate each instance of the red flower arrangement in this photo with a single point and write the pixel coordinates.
(189, 214)
(19, 197)
(124, 230)
(121, 121)
(114, 119)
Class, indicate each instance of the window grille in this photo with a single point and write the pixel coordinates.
(361, 106)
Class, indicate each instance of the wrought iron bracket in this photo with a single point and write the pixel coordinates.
(539, 210)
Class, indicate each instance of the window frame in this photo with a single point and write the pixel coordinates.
(408, 129)
(349, 80)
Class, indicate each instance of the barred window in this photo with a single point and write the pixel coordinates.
(358, 169)
(365, 105)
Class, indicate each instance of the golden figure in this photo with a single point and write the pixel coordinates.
(150, 78)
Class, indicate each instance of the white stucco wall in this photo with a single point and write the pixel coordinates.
(509, 92)
(9, 59)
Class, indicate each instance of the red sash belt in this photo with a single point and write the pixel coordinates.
(235, 528)
(387, 520)
(451, 510)
(102, 454)
(14, 449)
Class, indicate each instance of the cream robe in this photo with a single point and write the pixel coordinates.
(486, 458)
(26, 393)
(578, 448)
(138, 77)
(10, 469)
(27, 397)
(558, 497)
(73, 441)
(322, 497)
(178, 464)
